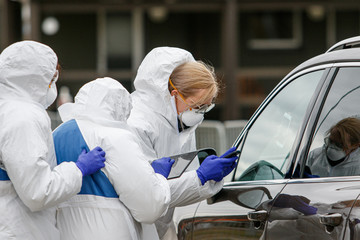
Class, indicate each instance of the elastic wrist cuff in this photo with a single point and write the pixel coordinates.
(201, 177)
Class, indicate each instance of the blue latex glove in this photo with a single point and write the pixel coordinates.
(90, 162)
(233, 149)
(163, 166)
(228, 170)
(216, 168)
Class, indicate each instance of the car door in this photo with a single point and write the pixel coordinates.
(322, 203)
(267, 146)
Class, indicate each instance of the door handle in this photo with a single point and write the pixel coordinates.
(258, 217)
(330, 221)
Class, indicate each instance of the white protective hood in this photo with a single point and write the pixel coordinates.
(26, 69)
(103, 101)
(151, 82)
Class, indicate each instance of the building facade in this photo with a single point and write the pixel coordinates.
(251, 44)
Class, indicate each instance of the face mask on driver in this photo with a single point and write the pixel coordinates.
(334, 153)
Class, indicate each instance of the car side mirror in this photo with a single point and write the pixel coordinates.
(248, 197)
(204, 153)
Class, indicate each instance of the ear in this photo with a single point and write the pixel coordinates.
(173, 92)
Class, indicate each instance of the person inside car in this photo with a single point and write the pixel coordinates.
(340, 154)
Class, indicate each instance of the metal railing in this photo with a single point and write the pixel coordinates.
(218, 135)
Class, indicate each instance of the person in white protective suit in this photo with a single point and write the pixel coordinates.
(172, 93)
(30, 182)
(340, 154)
(127, 191)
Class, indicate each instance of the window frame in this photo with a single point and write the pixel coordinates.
(277, 43)
(309, 133)
(308, 113)
(310, 127)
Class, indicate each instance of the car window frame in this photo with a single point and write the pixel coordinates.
(281, 85)
(310, 128)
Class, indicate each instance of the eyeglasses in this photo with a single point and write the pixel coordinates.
(327, 142)
(198, 109)
(204, 108)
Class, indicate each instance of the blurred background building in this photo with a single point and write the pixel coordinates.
(252, 44)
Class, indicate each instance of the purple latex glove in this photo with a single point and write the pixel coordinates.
(163, 166)
(90, 162)
(216, 168)
(299, 203)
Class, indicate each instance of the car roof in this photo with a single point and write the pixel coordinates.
(335, 56)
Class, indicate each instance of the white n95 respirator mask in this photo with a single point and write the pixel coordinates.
(52, 91)
(51, 96)
(333, 152)
(191, 117)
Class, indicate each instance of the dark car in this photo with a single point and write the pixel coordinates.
(294, 179)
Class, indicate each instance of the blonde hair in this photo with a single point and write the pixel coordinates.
(190, 77)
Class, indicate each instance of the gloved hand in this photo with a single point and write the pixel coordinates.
(216, 168)
(299, 203)
(163, 166)
(303, 207)
(228, 170)
(233, 149)
(90, 162)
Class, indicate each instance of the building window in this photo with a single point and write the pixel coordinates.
(197, 32)
(272, 30)
(118, 39)
(75, 40)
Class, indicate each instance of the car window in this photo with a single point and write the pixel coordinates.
(335, 147)
(268, 142)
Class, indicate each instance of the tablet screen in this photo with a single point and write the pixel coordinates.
(182, 161)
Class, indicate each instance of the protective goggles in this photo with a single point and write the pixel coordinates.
(198, 109)
(327, 142)
(204, 108)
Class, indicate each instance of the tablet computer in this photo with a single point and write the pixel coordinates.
(182, 161)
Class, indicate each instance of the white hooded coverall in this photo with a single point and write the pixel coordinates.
(30, 181)
(155, 121)
(127, 190)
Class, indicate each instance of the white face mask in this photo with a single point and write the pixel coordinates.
(51, 95)
(191, 118)
(334, 153)
(52, 92)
